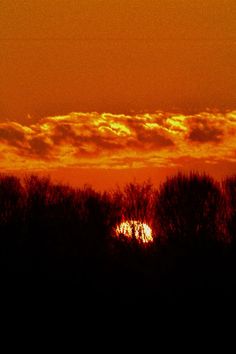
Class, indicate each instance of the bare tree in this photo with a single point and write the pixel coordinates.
(188, 208)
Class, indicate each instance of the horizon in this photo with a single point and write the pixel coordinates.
(163, 71)
(83, 184)
(105, 150)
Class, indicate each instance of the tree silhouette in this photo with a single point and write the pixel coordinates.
(53, 232)
(229, 188)
(11, 197)
(188, 208)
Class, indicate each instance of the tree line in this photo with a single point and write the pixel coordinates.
(53, 232)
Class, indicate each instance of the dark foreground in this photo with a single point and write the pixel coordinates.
(59, 243)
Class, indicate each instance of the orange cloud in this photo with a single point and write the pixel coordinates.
(93, 140)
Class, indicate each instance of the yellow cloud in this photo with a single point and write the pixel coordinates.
(118, 141)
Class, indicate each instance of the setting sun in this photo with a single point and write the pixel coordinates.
(133, 228)
(118, 151)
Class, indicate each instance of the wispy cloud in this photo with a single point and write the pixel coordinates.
(118, 141)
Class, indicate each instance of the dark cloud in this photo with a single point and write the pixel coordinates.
(205, 135)
(38, 147)
(153, 139)
(106, 143)
(11, 135)
(148, 138)
(63, 133)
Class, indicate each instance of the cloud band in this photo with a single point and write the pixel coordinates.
(118, 141)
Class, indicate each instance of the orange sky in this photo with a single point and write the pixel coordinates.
(137, 60)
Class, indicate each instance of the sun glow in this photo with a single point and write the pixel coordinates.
(133, 228)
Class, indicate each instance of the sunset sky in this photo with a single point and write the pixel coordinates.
(105, 91)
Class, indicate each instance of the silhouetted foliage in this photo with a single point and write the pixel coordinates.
(11, 199)
(229, 187)
(53, 232)
(189, 209)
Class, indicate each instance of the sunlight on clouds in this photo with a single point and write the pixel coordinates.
(177, 123)
(118, 141)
